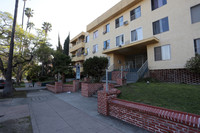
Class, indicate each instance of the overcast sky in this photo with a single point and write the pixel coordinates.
(65, 15)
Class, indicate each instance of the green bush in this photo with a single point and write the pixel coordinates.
(95, 67)
(194, 64)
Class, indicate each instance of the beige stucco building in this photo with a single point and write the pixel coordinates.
(164, 33)
(77, 49)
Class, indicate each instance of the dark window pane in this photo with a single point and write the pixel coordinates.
(157, 3)
(195, 13)
(197, 46)
(158, 54)
(156, 27)
(165, 24)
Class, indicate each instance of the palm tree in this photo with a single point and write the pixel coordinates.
(29, 14)
(8, 89)
(30, 25)
(23, 13)
(46, 26)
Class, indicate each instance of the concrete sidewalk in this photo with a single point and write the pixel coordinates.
(89, 106)
(52, 115)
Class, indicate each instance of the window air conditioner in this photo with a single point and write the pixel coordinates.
(126, 23)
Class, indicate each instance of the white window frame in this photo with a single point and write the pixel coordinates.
(96, 48)
(87, 39)
(107, 46)
(138, 36)
(123, 40)
(163, 53)
(95, 34)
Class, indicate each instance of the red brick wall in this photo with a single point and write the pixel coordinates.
(117, 74)
(176, 76)
(88, 89)
(151, 118)
(59, 87)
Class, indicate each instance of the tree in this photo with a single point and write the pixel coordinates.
(59, 48)
(61, 64)
(194, 64)
(47, 27)
(23, 13)
(8, 89)
(43, 54)
(66, 45)
(34, 73)
(30, 25)
(29, 14)
(95, 67)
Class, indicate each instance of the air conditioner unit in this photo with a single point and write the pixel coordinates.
(104, 48)
(93, 52)
(119, 46)
(104, 32)
(126, 23)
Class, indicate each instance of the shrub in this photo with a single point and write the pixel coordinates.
(95, 67)
(194, 64)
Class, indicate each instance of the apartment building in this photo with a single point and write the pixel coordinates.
(162, 33)
(77, 50)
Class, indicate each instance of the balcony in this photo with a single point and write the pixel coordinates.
(80, 58)
(76, 47)
(131, 48)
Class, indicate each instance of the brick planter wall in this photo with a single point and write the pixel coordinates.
(117, 74)
(59, 87)
(121, 81)
(110, 86)
(176, 76)
(151, 118)
(88, 89)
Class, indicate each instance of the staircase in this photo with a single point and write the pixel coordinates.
(131, 76)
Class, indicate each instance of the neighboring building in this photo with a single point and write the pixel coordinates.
(77, 50)
(162, 33)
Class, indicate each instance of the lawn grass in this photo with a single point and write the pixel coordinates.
(16, 94)
(180, 97)
(22, 85)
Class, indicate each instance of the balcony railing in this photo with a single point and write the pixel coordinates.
(76, 47)
(76, 58)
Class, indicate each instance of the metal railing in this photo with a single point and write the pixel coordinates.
(142, 70)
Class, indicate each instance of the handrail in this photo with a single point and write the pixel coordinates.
(142, 69)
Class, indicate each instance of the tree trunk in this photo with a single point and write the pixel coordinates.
(8, 89)
(23, 14)
(63, 78)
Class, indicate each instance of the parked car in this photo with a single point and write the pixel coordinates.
(2, 83)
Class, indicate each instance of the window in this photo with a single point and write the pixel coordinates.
(136, 35)
(197, 46)
(195, 13)
(106, 44)
(157, 3)
(95, 34)
(119, 40)
(95, 48)
(87, 50)
(87, 38)
(119, 22)
(160, 26)
(162, 53)
(106, 29)
(135, 13)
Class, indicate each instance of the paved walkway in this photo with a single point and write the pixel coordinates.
(62, 113)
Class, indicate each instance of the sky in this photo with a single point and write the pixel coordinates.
(66, 16)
